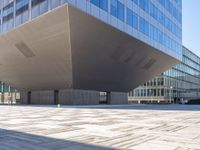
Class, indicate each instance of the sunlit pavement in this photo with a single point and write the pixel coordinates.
(138, 127)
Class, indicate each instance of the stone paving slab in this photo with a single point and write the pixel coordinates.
(134, 127)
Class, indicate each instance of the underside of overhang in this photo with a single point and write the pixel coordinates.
(66, 48)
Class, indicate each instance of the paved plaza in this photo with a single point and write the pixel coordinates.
(138, 127)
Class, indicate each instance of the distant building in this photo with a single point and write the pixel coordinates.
(8, 94)
(181, 82)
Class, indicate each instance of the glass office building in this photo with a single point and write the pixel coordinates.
(100, 45)
(182, 81)
(8, 94)
(156, 22)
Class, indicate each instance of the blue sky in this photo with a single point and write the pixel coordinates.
(191, 25)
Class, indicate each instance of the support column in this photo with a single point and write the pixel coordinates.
(108, 97)
(117, 98)
(56, 97)
(43, 97)
(23, 97)
(29, 97)
(78, 97)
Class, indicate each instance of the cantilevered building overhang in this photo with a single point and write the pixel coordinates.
(69, 49)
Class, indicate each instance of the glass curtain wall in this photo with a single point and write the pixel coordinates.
(180, 82)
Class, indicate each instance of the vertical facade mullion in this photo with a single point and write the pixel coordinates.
(14, 13)
(29, 9)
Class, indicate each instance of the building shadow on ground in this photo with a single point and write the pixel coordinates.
(166, 107)
(14, 140)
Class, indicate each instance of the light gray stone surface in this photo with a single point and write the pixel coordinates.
(137, 127)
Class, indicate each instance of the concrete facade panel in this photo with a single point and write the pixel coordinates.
(78, 97)
(65, 97)
(42, 97)
(23, 97)
(117, 98)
